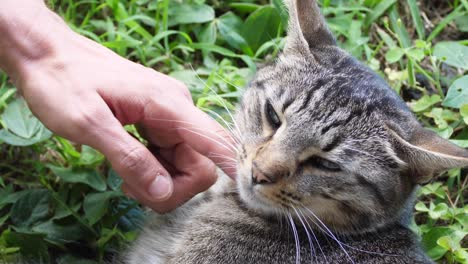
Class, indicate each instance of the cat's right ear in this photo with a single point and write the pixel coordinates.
(307, 28)
(427, 154)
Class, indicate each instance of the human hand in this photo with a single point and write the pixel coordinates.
(85, 92)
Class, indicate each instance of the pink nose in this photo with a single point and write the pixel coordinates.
(259, 177)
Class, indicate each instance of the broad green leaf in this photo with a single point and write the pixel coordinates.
(245, 7)
(457, 94)
(429, 241)
(22, 127)
(229, 26)
(14, 140)
(19, 119)
(448, 243)
(261, 26)
(452, 53)
(32, 246)
(185, 13)
(280, 5)
(89, 177)
(114, 181)
(90, 156)
(438, 211)
(69, 259)
(61, 233)
(462, 23)
(421, 207)
(96, 205)
(394, 55)
(208, 33)
(415, 54)
(30, 208)
(425, 102)
(464, 112)
(134, 217)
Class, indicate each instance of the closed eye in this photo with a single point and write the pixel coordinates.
(272, 116)
(322, 164)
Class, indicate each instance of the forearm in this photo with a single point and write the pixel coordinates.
(27, 29)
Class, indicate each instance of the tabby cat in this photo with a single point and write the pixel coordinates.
(329, 159)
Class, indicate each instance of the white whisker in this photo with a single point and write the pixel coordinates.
(296, 239)
(311, 245)
(204, 136)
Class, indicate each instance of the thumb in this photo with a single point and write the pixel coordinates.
(134, 162)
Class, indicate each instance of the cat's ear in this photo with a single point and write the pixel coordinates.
(307, 27)
(427, 154)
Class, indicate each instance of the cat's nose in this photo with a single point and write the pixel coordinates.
(259, 177)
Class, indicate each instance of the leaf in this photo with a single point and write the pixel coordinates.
(425, 102)
(30, 208)
(429, 241)
(69, 259)
(416, 54)
(61, 233)
(457, 94)
(134, 218)
(394, 55)
(96, 204)
(464, 113)
(378, 11)
(447, 243)
(208, 33)
(244, 7)
(462, 23)
(452, 53)
(89, 177)
(438, 211)
(229, 26)
(22, 127)
(19, 119)
(261, 26)
(90, 156)
(14, 140)
(32, 246)
(421, 207)
(184, 13)
(114, 181)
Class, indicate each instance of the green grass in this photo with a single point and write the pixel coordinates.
(61, 202)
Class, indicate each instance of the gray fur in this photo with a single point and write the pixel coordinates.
(331, 107)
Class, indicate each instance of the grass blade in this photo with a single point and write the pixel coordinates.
(417, 20)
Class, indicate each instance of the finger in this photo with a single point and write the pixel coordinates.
(210, 139)
(133, 161)
(197, 174)
(192, 126)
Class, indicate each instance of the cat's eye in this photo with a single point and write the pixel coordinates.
(323, 164)
(272, 116)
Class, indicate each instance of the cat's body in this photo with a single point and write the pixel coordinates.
(220, 229)
(328, 160)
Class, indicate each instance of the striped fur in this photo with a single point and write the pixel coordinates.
(338, 172)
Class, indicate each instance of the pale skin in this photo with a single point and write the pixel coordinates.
(86, 93)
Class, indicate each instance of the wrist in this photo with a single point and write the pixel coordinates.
(28, 29)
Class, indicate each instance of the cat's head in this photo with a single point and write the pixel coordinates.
(322, 133)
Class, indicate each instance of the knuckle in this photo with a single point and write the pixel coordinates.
(133, 159)
(84, 119)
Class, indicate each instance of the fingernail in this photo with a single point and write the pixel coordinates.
(161, 187)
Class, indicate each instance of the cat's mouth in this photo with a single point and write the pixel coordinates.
(269, 198)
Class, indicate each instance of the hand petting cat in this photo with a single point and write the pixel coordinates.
(86, 93)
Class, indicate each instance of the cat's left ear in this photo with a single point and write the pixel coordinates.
(307, 28)
(427, 154)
